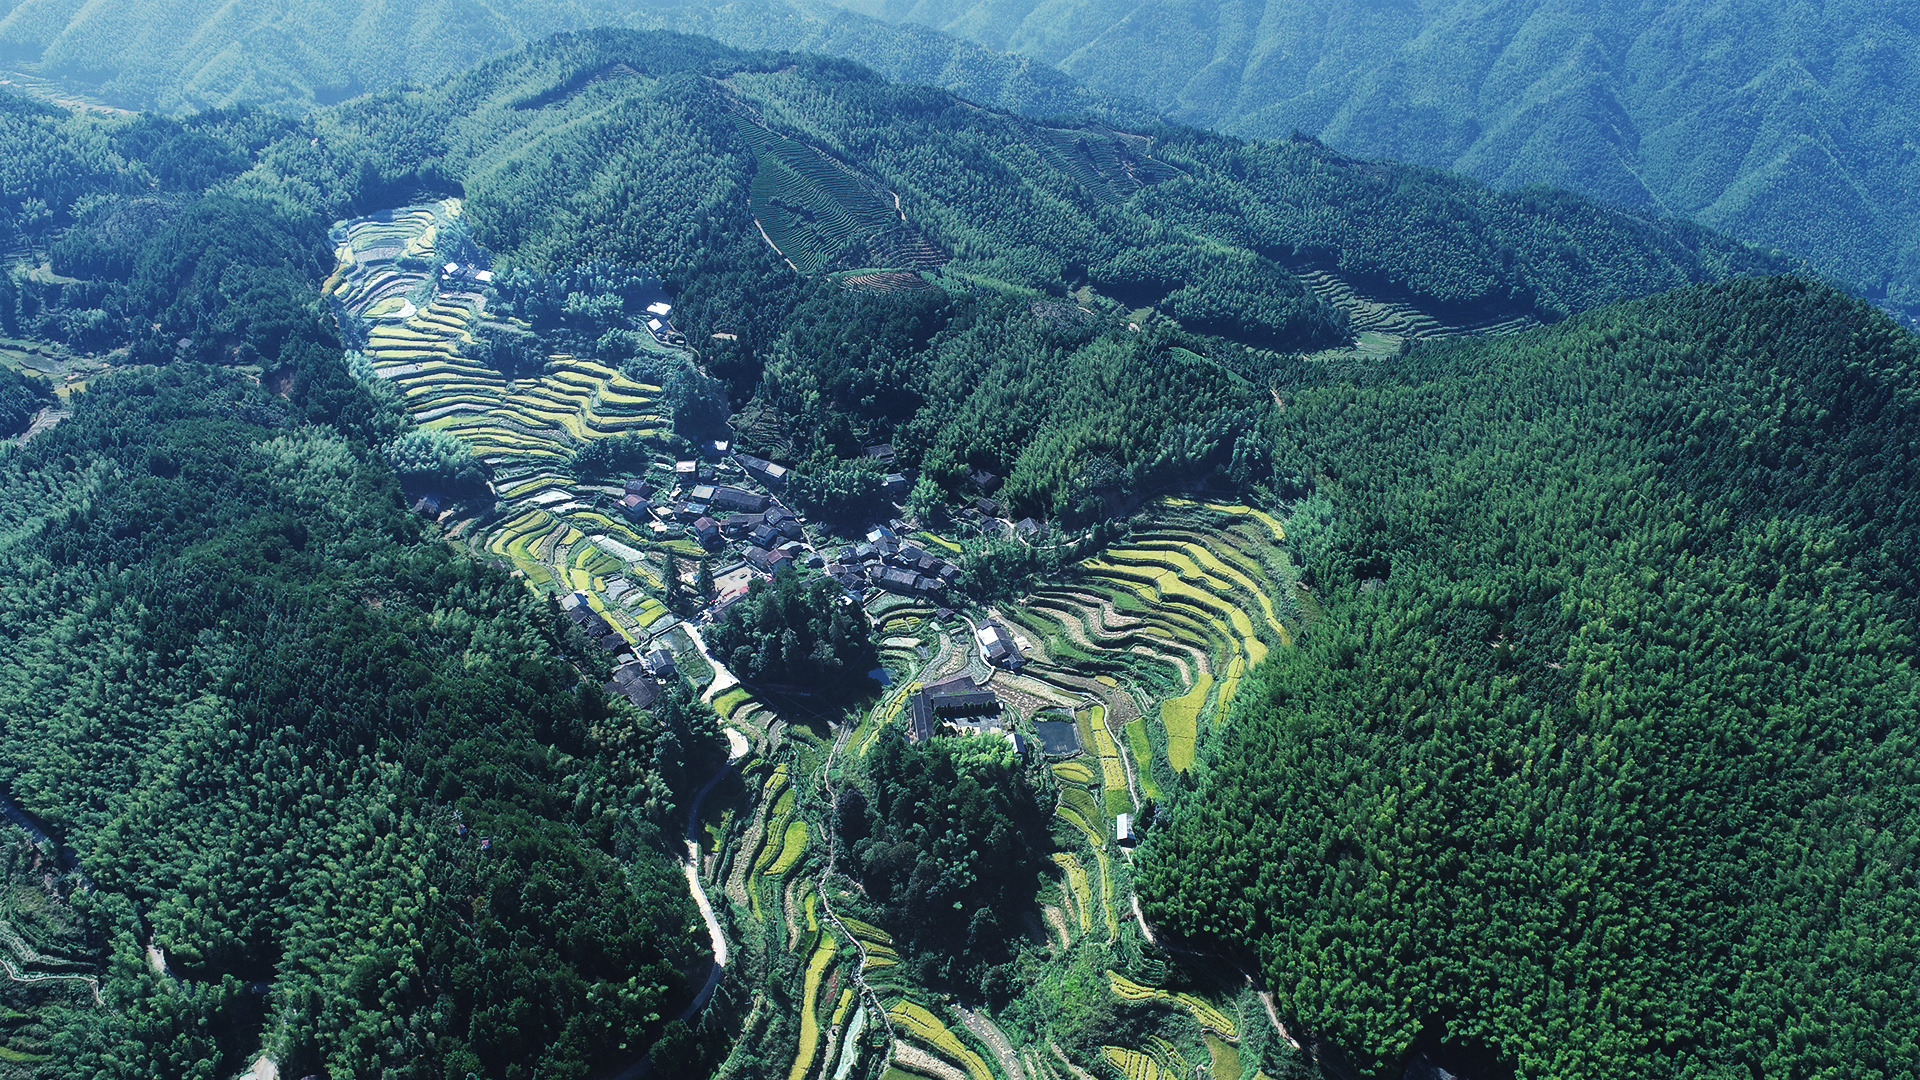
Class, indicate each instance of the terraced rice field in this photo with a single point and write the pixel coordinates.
(921, 1026)
(416, 325)
(809, 1010)
(1204, 1012)
(1133, 1064)
(1177, 616)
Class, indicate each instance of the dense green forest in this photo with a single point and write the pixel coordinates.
(1779, 127)
(592, 153)
(293, 740)
(951, 847)
(1602, 759)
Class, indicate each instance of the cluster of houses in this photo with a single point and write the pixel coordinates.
(884, 562)
(637, 678)
(594, 625)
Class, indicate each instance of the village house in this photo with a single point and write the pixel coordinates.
(727, 497)
(997, 646)
(774, 476)
(740, 526)
(632, 681)
(660, 664)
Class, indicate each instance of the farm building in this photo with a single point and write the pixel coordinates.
(959, 700)
(774, 476)
(593, 625)
(631, 681)
(1123, 829)
(741, 525)
(882, 453)
(920, 722)
(996, 646)
(960, 697)
(727, 497)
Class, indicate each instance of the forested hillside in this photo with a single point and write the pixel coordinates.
(765, 189)
(344, 791)
(180, 58)
(1602, 759)
(1778, 126)
(697, 161)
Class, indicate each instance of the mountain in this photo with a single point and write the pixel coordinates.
(188, 57)
(1534, 695)
(727, 171)
(1603, 744)
(1783, 131)
(1775, 125)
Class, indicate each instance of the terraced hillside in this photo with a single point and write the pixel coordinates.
(1140, 649)
(1153, 637)
(415, 314)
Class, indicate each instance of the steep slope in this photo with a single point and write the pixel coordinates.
(1780, 128)
(626, 134)
(1601, 760)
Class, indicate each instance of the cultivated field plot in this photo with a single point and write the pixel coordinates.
(1159, 631)
(818, 212)
(414, 315)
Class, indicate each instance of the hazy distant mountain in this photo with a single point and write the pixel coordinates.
(185, 57)
(1782, 124)
(1778, 127)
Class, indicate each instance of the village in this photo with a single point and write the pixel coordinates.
(1097, 680)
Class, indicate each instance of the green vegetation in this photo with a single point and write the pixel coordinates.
(791, 631)
(1588, 646)
(949, 826)
(243, 597)
(944, 373)
(1743, 117)
(1614, 683)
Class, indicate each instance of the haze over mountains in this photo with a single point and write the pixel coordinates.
(1786, 125)
(1772, 124)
